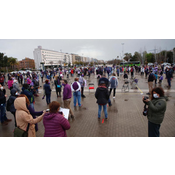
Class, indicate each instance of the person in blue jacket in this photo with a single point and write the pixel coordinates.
(47, 90)
(26, 90)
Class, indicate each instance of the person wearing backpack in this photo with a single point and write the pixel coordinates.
(102, 96)
(151, 78)
(10, 103)
(58, 86)
(76, 89)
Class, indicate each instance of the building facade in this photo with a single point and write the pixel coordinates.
(26, 63)
(45, 57)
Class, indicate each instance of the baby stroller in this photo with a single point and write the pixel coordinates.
(98, 76)
(134, 83)
(125, 86)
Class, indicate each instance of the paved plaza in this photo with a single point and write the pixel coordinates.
(125, 114)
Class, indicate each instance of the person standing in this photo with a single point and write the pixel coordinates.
(16, 86)
(104, 79)
(10, 102)
(169, 76)
(67, 95)
(76, 88)
(1, 79)
(10, 83)
(82, 82)
(113, 84)
(156, 111)
(102, 96)
(57, 83)
(26, 90)
(23, 116)
(54, 122)
(4, 120)
(151, 78)
(47, 90)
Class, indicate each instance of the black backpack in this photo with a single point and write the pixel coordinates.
(8, 105)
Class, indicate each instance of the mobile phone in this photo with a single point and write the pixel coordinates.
(47, 110)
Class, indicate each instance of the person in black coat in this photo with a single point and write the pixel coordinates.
(4, 120)
(102, 96)
(14, 94)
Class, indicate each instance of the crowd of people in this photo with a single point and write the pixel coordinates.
(21, 101)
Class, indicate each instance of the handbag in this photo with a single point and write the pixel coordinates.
(58, 86)
(21, 133)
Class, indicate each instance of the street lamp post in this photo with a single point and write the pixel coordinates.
(123, 52)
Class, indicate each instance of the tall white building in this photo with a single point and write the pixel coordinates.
(45, 57)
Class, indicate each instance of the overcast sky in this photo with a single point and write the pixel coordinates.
(102, 49)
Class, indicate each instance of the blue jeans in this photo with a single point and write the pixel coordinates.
(3, 113)
(105, 110)
(77, 96)
(32, 105)
(48, 98)
(153, 129)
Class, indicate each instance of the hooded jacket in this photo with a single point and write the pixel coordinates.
(16, 86)
(23, 117)
(55, 125)
(113, 82)
(102, 95)
(29, 94)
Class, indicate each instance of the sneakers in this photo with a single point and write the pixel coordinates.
(106, 118)
(113, 97)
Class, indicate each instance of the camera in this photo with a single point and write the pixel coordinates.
(145, 98)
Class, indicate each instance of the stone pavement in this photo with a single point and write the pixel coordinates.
(125, 114)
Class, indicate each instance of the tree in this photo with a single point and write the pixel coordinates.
(12, 61)
(136, 57)
(150, 58)
(128, 56)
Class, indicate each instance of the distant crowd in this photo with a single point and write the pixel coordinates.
(21, 102)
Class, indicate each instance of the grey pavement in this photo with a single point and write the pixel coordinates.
(125, 114)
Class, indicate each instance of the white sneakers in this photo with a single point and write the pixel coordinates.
(113, 97)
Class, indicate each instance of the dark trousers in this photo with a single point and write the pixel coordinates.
(114, 89)
(48, 98)
(153, 129)
(169, 82)
(58, 90)
(82, 91)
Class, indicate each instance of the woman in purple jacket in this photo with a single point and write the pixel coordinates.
(54, 122)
